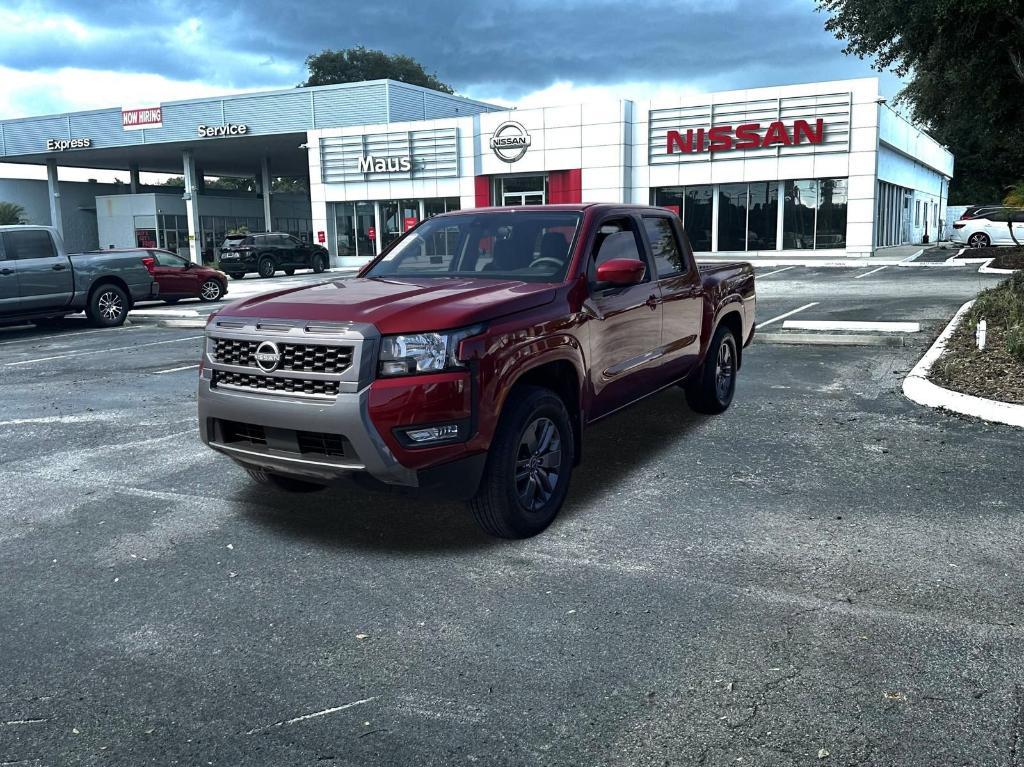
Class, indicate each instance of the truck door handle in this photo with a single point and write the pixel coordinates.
(59, 267)
(652, 302)
(6, 271)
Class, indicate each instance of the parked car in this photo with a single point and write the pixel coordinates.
(977, 211)
(180, 278)
(269, 252)
(989, 229)
(39, 281)
(471, 356)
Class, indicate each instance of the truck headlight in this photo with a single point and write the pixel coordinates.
(412, 353)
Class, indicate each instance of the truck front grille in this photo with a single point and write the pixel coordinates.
(260, 383)
(248, 433)
(298, 358)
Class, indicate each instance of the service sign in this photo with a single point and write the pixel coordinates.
(144, 117)
(216, 131)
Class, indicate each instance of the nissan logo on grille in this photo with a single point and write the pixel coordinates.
(267, 356)
(510, 141)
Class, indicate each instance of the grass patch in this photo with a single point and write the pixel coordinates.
(998, 371)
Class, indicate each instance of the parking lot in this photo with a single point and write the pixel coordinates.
(827, 573)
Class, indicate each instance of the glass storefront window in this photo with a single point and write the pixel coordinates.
(763, 215)
(798, 214)
(522, 190)
(831, 228)
(396, 218)
(732, 217)
(697, 216)
(440, 205)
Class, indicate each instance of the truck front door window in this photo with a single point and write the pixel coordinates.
(45, 278)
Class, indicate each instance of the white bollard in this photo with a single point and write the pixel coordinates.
(979, 334)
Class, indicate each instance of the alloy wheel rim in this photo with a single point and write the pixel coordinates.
(724, 371)
(538, 464)
(977, 241)
(211, 290)
(267, 269)
(110, 305)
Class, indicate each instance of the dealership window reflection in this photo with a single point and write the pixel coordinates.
(694, 204)
(815, 214)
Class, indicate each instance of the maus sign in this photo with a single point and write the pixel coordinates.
(371, 164)
(724, 138)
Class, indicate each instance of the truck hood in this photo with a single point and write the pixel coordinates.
(398, 305)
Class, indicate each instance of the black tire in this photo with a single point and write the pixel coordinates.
(171, 301)
(319, 264)
(979, 240)
(290, 271)
(267, 267)
(711, 388)
(108, 306)
(521, 493)
(289, 484)
(210, 291)
(237, 275)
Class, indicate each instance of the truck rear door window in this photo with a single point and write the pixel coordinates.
(664, 247)
(31, 243)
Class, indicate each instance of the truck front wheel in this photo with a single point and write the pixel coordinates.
(711, 389)
(528, 468)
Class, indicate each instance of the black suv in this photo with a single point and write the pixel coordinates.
(269, 252)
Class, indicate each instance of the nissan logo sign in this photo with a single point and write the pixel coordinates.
(267, 356)
(510, 141)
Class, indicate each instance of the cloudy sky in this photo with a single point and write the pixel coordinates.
(65, 55)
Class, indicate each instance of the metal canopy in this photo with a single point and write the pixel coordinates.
(228, 156)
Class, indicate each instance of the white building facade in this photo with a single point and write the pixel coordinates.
(818, 169)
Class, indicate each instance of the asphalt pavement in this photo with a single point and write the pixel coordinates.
(825, 574)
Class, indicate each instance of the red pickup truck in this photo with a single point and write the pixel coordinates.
(471, 355)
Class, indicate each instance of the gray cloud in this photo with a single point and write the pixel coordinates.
(503, 48)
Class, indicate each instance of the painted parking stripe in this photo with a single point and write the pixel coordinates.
(61, 335)
(878, 327)
(871, 272)
(98, 351)
(175, 370)
(762, 276)
(787, 314)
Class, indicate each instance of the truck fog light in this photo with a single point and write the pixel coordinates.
(433, 433)
(394, 368)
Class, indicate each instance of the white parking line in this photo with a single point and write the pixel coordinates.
(880, 327)
(787, 314)
(98, 351)
(762, 276)
(175, 370)
(61, 335)
(857, 277)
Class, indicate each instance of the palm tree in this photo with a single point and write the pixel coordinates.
(11, 214)
(1015, 199)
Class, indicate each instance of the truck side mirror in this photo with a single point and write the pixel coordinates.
(621, 271)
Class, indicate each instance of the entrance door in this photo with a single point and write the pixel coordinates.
(523, 190)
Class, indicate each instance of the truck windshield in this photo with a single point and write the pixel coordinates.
(510, 245)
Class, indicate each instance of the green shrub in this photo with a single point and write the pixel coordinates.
(1015, 342)
(1002, 305)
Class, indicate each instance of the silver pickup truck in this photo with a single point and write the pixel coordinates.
(40, 282)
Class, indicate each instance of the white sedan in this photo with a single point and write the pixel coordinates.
(990, 229)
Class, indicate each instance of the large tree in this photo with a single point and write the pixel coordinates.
(351, 65)
(964, 65)
(11, 213)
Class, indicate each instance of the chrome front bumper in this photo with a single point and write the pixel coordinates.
(283, 414)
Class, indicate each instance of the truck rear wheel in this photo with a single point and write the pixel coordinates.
(107, 307)
(290, 484)
(712, 387)
(528, 468)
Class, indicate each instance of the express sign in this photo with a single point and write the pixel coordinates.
(724, 138)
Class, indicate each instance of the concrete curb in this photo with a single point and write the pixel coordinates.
(917, 387)
(986, 269)
(828, 339)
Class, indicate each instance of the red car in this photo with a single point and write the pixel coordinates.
(179, 278)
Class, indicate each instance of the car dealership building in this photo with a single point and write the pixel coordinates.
(816, 169)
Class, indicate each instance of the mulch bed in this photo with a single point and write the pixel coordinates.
(1005, 258)
(992, 373)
